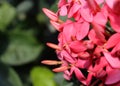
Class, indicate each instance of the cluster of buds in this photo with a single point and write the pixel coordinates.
(89, 39)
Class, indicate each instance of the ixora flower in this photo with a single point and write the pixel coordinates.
(90, 41)
(114, 14)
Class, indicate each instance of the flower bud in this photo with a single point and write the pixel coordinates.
(50, 14)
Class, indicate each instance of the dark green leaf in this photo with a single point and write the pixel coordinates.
(61, 81)
(22, 48)
(8, 77)
(7, 13)
(25, 6)
(54, 7)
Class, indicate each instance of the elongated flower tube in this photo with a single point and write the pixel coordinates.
(60, 69)
(55, 24)
(50, 14)
(54, 46)
(51, 62)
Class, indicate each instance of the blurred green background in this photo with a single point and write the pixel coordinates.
(24, 31)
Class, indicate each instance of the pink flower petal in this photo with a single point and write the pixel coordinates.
(82, 30)
(84, 55)
(115, 22)
(99, 1)
(113, 76)
(73, 9)
(89, 79)
(102, 19)
(99, 65)
(63, 11)
(86, 14)
(98, 51)
(116, 48)
(83, 63)
(66, 56)
(99, 30)
(110, 3)
(93, 6)
(93, 37)
(79, 75)
(113, 40)
(77, 15)
(77, 46)
(113, 61)
(69, 30)
(61, 3)
(61, 39)
(67, 75)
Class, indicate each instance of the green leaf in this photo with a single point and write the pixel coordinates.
(54, 7)
(8, 77)
(42, 76)
(59, 79)
(22, 48)
(41, 18)
(24, 6)
(64, 18)
(7, 14)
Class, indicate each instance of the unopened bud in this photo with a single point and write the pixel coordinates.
(60, 69)
(54, 46)
(55, 24)
(51, 62)
(50, 14)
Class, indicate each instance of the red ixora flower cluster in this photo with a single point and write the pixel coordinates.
(89, 39)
